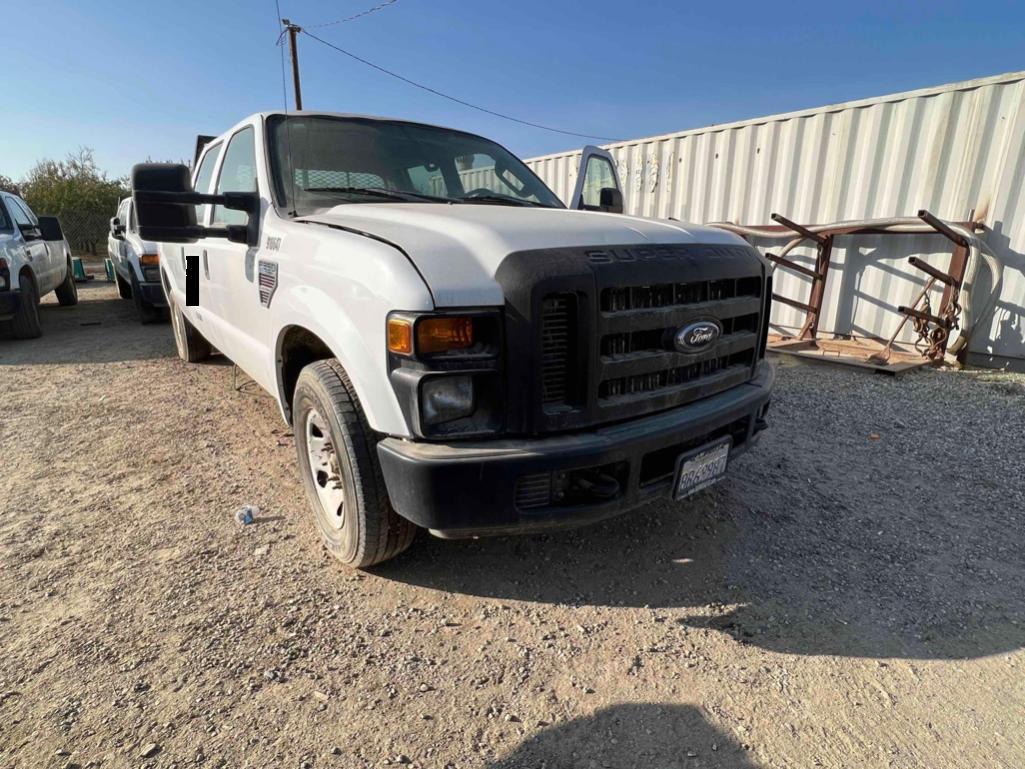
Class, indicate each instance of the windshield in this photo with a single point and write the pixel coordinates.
(319, 162)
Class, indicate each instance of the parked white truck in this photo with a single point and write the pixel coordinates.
(136, 264)
(453, 348)
(34, 260)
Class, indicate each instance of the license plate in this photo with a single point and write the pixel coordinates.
(700, 468)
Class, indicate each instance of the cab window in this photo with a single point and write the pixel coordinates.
(205, 175)
(599, 174)
(238, 174)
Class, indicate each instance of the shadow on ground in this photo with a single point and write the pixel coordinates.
(101, 328)
(630, 736)
(845, 546)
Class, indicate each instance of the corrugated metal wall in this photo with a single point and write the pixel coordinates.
(949, 149)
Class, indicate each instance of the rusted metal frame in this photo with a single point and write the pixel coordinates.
(936, 320)
(788, 265)
(810, 329)
(824, 246)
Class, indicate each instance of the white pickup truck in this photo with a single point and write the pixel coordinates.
(34, 260)
(454, 349)
(136, 264)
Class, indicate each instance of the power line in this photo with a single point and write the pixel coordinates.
(453, 98)
(355, 16)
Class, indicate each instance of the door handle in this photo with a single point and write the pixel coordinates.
(206, 266)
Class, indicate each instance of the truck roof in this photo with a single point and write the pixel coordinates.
(322, 113)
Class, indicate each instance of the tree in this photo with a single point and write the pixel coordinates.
(7, 184)
(79, 193)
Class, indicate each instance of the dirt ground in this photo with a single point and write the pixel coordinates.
(853, 595)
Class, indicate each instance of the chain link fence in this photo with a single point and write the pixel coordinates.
(86, 231)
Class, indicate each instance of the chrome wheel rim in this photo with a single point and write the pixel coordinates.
(325, 470)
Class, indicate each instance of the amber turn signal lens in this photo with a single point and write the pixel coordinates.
(443, 334)
(149, 259)
(400, 336)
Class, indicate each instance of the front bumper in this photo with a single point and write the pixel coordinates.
(474, 489)
(9, 303)
(153, 293)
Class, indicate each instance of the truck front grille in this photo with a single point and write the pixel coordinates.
(558, 350)
(637, 326)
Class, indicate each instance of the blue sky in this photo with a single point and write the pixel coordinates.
(138, 79)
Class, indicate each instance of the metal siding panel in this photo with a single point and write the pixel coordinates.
(950, 149)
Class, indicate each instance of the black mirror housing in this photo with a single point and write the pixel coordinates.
(610, 200)
(165, 207)
(29, 231)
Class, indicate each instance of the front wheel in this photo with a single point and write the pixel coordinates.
(124, 290)
(192, 346)
(67, 291)
(342, 477)
(25, 324)
(147, 312)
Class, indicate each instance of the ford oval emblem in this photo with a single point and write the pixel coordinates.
(697, 336)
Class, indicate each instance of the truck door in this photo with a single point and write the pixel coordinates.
(37, 254)
(597, 187)
(232, 267)
(174, 258)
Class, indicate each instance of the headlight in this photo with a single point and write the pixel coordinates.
(446, 370)
(444, 398)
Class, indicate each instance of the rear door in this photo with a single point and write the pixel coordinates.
(597, 171)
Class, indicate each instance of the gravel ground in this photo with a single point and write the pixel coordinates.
(853, 595)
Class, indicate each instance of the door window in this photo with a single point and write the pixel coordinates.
(599, 174)
(19, 214)
(5, 220)
(238, 174)
(204, 176)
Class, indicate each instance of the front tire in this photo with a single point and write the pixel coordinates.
(341, 474)
(191, 346)
(67, 291)
(147, 312)
(25, 324)
(124, 290)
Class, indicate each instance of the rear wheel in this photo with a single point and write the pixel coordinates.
(67, 291)
(191, 345)
(25, 323)
(342, 477)
(147, 312)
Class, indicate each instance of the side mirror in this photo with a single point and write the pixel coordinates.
(610, 200)
(50, 228)
(29, 231)
(117, 230)
(165, 207)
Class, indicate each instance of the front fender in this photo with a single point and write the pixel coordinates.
(362, 354)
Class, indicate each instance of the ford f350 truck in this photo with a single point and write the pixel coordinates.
(453, 348)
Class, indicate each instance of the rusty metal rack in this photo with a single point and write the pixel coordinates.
(933, 328)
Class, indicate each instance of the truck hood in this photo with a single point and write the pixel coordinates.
(458, 248)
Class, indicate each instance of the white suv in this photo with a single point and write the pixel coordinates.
(34, 260)
(136, 264)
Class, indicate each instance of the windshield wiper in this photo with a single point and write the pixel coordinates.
(499, 198)
(377, 192)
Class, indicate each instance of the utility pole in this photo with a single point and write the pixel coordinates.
(293, 30)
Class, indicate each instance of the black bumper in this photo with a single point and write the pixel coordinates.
(471, 489)
(153, 293)
(9, 303)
